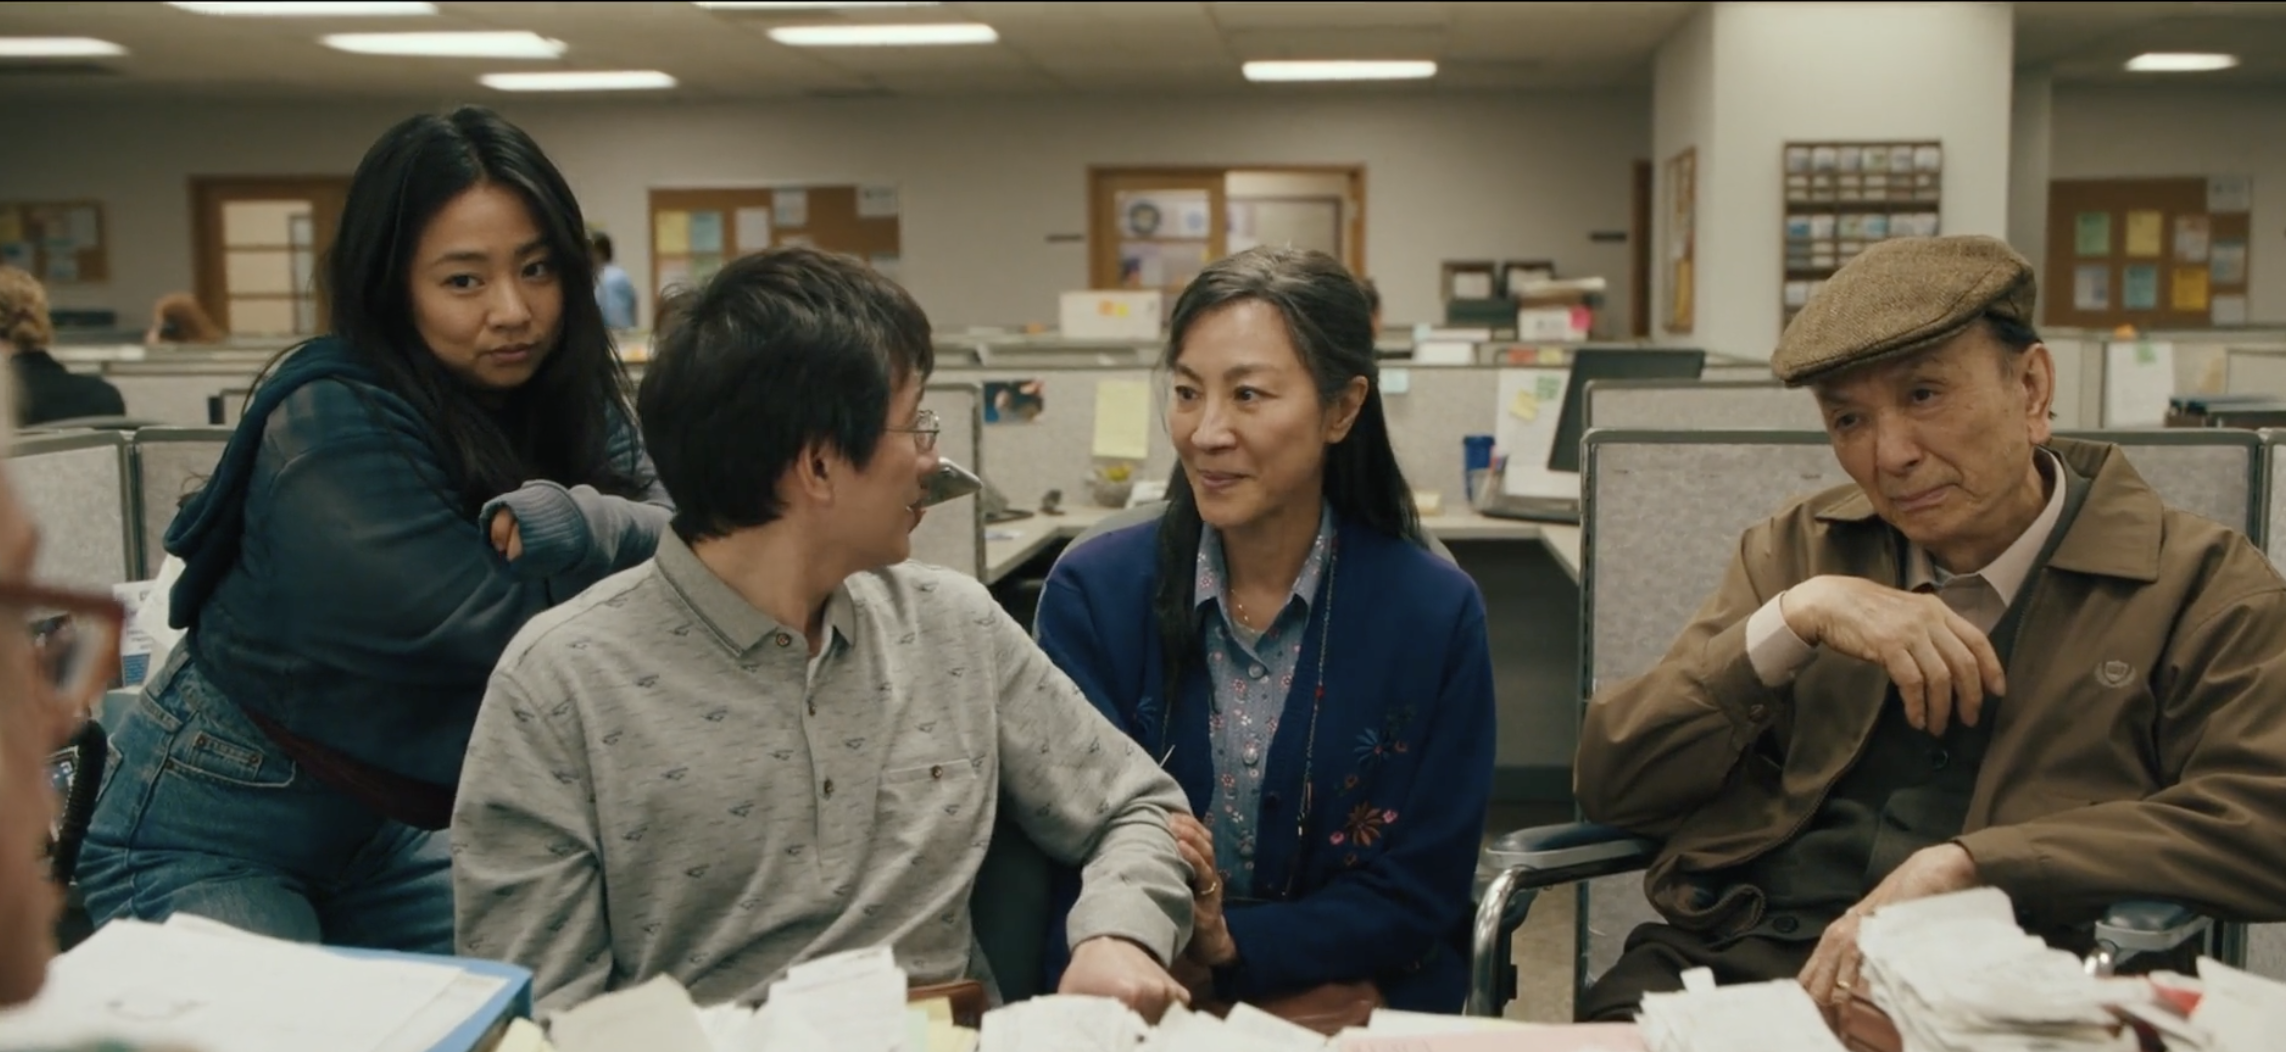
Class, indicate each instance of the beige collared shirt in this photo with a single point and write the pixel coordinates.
(662, 780)
(1980, 598)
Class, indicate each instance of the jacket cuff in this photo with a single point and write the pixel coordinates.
(1131, 917)
(2006, 858)
(550, 524)
(1732, 683)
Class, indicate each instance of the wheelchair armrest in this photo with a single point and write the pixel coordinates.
(1569, 851)
(2147, 926)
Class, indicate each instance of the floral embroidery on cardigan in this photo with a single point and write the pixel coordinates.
(1366, 825)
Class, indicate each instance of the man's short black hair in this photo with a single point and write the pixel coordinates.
(602, 244)
(782, 350)
(2013, 334)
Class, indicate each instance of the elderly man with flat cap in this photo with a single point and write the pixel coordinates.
(1997, 659)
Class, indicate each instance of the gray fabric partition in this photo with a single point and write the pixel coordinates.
(1670, 505)
(75, 485)
(1691, 405)
(952, 533)
(170, 464)
(2210, 472)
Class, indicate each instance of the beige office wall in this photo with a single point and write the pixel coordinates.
(2105, 132)
(984, 184)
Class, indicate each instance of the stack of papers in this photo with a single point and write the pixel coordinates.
(1776, 1016)
(847, 1002)
(2223, 1010)
(196, 983)
(1955, 972)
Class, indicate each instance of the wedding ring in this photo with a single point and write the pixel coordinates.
(1211, 889)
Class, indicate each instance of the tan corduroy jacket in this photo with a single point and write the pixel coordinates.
(2140, 752)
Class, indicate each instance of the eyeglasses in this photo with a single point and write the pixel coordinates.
(74, 638)
(924, 429)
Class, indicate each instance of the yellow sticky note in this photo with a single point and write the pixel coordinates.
(2144, 233)
(2190, 288)
(1123, 419)
(937, 1009)
(674, 235)
(1525, 406)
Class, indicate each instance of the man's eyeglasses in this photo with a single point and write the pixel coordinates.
(924, 429)
(74, 639)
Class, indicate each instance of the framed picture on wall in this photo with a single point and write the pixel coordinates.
(1682, 238)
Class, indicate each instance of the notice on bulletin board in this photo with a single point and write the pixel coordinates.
(2145, 232)
(1530, 400)
(2191, 234)
(2190, 288)
(2092, 234)
(674, 236)
(793, 206)
(876, 202)
(706, 232)
(753, 230)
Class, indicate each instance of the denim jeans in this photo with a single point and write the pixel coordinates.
(201, 813)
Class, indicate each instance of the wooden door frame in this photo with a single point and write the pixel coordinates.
(209, 267)
(1102, 228)
(1639, 251)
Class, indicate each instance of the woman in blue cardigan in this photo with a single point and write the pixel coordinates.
(1317, 680)
(402, 496)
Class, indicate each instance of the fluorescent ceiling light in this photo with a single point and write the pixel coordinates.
(913, 35)
(315, 8)
(448, 45)
(804, 5)
(579, 80)
(1406, 69)
(57, 47)
(2180, 62)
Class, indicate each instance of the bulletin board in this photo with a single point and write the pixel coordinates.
(694, 232)
(61, 242)
(2153, 253)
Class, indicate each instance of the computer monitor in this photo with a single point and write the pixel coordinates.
(1613, 363)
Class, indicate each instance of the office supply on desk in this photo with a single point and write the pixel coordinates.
(1476, 456)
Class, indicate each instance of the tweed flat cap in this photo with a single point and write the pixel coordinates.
(1901, 296)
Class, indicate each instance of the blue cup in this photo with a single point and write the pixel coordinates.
(1476, 459)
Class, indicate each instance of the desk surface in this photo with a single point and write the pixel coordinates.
(1007, 545)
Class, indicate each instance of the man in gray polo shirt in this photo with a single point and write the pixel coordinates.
(777, 739)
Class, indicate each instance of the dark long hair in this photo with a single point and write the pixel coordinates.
(558, 424)
(1330, 321)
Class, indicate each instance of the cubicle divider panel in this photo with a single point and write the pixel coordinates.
(1662, 513)
(2212, 472)
(952, 533)
(1443, 405)
(2266, 943)
(75, 484)
(1032, 453)
(176, 392)
(171, 463)
(1690, 405)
